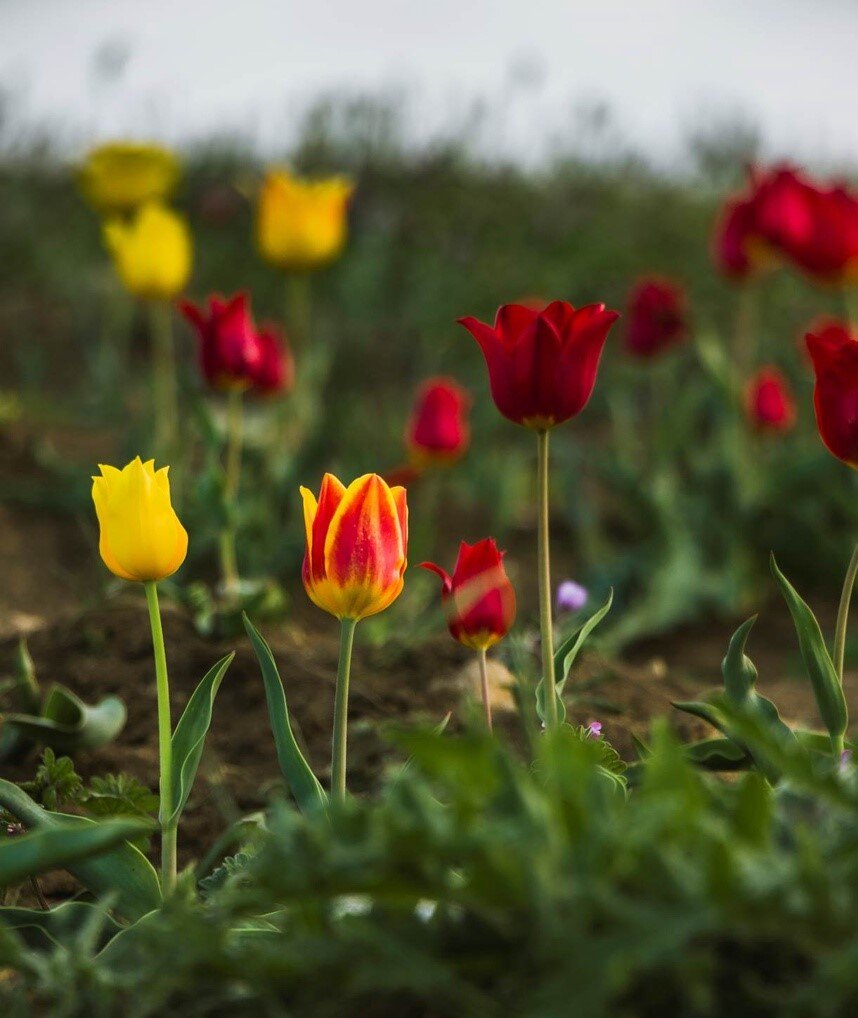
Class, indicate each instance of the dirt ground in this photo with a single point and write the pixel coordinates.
(47, 559)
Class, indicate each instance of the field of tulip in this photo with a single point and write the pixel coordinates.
(389, 543)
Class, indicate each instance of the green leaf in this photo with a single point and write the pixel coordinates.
(68, 724)
(123, 870)
(564, 659)
(60, 925)
(59, 846)
(190, 734)
(701, 709)
(817, 661)
(308, 793)
(739, 671)
(718, 755)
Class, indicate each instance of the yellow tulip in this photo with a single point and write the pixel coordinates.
(141, 537)
(121, 175)
(152, 252)
(301, 224)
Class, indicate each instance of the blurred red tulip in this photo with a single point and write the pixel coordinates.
(735, 247)
(783, 203)
(542, 364)
(830, 251)
(769, 402)
(230, 352)
(656, 316)
(834, 352)
(275, 372)
(478, 597)
(438, 431)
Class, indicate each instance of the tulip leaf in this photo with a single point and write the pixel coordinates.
(702, 709)
(190, 734)
(299, 776)
(61, 925)
(565, 656)
(718, 754)
(60, 846)
(67, 724)
(817, 660)
(123, 870)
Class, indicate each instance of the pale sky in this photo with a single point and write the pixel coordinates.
(196, 66)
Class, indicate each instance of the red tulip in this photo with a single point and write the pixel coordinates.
(275, 372)
(830, 250)
(478, 597)
(834, 352)
(230, 351)
(735, 247)
(657, 316)
(769, 402)
(542, 364)
(783, 209)
(438, 431)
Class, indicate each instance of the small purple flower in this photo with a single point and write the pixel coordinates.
(571, 596)
(845, 760)
(594, 730)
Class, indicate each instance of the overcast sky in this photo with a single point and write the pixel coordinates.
(183, 68)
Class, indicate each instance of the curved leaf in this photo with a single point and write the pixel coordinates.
(38, 928)
(564, 658)
(68, 724)
(190, 734)
(59, 846)
(817, 660)
(308, 793)
(122, 870)
(718, 755)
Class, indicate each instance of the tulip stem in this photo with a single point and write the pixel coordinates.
(484, 686)
(298, 307)
(843, 615)
(232, 476)
(341, 710)
(546, 626)
(165, 744)
(164, 377)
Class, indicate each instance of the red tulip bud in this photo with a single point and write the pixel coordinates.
(478, 597)
(769, 402)
(229, 347)
(834, 352)
(656, 316)
(438, 431)
(275, 372)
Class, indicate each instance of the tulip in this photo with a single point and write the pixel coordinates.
(769, 403)
(142, 539)
(275, 372)
(829, 252)
(230, 352)
(834, 352)
(542, 364)
(231, 357)
(301, 224)
(152, 255)
(479, 601)
(119, 176)
(783, 208)
(737, 250)
(656, 317)
(152, 252)
(357, 539)
(438, 431)
(542, 368)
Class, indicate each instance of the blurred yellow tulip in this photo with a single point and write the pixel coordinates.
(152, 252)
(121, 175)
(301, 224)
(141, 537)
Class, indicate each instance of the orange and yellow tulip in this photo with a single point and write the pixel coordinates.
(357, 539)
(117, 177)
(301, 224)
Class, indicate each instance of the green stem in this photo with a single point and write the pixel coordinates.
(165, 745)
(843, 614)
(232, 476)
(298, 308)
(744, 338)
(341, 710)
(546, 626)
(484, 686)
(164, 377)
